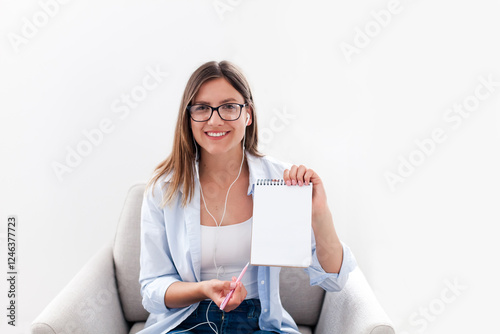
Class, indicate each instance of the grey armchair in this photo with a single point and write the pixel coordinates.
(104, 297)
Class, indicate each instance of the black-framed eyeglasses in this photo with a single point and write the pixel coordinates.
(226, 111)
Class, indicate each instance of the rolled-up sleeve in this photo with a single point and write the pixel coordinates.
(328, 281)
(157, 269)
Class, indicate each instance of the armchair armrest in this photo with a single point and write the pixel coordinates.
(353, 310)
(88, 304)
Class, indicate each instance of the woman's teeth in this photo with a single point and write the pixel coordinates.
(216, 134)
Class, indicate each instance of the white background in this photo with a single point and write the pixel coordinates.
(354, 117)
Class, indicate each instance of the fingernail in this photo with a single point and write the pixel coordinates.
(300, 183)
(294, 182)
(233, 285)
(288, 183)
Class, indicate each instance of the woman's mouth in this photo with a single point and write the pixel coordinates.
(216, 134)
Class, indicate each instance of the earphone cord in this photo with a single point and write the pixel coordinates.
(218, 269)
(212, 325)
(227, 194)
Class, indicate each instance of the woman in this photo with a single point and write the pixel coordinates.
(197, 215)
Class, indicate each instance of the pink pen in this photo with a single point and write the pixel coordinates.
(224, 303)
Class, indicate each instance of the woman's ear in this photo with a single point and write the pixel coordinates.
(249, 118)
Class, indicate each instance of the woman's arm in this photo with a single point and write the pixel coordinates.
(328, 247)
(182, 294)
(161, 285)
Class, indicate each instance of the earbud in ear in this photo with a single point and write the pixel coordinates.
(248, 119)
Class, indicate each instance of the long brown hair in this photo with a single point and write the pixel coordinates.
(181, 160)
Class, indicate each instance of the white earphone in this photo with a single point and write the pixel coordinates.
(248, 118)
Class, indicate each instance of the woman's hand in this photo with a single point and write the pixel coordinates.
(299, 175)
(218, 290)
(328, 247)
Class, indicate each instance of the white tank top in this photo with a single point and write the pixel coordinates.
(230, 246)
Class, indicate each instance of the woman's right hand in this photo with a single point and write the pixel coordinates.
(217, 291)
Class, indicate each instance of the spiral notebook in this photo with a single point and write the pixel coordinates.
(281, 228)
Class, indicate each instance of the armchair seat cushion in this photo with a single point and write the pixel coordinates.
(299, 298)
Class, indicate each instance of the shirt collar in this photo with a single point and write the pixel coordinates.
(255, 169)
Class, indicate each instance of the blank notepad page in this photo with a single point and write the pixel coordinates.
(281, 231)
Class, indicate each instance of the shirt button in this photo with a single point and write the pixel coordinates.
(262, 282)
(265, 310)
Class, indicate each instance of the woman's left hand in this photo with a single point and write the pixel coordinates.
(300, 175)
(328, 247)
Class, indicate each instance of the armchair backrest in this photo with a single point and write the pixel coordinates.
(126, 252)
(302, 301)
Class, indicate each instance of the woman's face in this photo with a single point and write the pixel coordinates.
(217, 136)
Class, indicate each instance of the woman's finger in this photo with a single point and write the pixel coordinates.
(236, 298)
(286, 177)
(308, 175)
(293, 174)
(300, 174)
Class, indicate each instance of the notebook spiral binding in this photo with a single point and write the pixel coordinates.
(270, 182)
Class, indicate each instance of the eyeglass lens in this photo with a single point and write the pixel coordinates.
(228, 111)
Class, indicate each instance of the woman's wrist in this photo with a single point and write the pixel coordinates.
(203, 289)
(182, 294)
(321, 218)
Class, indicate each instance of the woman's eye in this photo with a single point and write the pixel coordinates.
(230, 106)
(200, 108)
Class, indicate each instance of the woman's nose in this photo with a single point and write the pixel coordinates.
(215, 119)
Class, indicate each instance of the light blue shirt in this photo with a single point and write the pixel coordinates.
(171, 252)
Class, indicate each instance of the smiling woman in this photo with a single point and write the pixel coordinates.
(185, 147)
(227, 126)
(197, 217)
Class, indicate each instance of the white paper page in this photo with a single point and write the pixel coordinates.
(281, 231)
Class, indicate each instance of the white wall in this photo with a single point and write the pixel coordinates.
(353, 116)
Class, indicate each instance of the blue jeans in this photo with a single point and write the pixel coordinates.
(242, 320)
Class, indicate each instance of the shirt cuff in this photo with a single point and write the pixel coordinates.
(153, 294)
(333, 281)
